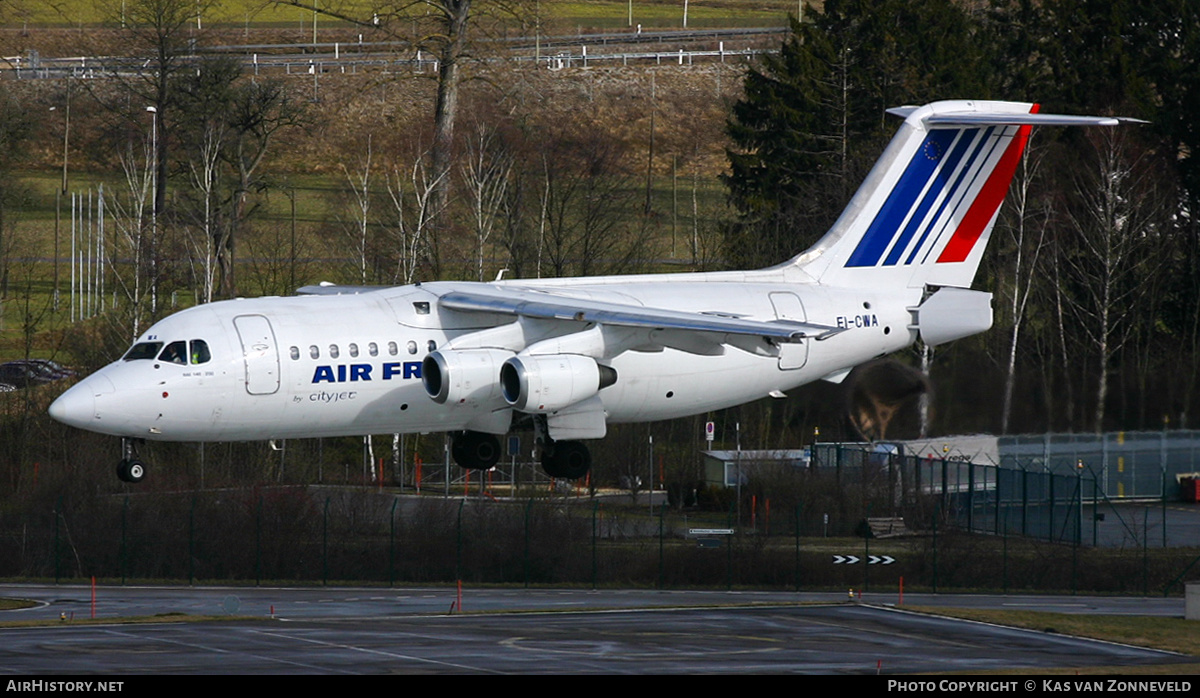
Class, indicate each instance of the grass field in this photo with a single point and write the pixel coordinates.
(1170, 634)
(257, 13)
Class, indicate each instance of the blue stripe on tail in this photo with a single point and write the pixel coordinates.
(900, 201)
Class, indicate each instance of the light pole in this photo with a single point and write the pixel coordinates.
(153, 210)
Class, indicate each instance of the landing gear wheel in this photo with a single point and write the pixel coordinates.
(475, 450)
(569, 460)
(136, 470)
(131, 470)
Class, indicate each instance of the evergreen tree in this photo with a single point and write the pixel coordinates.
(813, 116)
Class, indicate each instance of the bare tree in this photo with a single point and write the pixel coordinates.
(587, 192)
(485, 172)
(16, 129)
(161, 37)
(439, 27)
(1118, 222)
(204, 172)
(412, 213)
(132, 226)
(1025, 227)
(360, 188)
(259, 111)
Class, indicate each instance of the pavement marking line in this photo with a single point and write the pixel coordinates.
(1047, 605)
(393, 655)
(219, 650)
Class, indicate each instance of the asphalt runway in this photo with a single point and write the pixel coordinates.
(410, 631)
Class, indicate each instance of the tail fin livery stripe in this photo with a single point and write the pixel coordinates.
(882, 230)
(987, 203)
(923, 215)
(950, 214)
(966, 137)
(954, 198)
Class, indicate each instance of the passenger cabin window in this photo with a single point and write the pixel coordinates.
(432, 346)
(353, 349)
(295, 353)
(412, 347)
(143, 350)
(174, 353)
(392, 348)
(373, 349)
(333, 351)
(200, 353)
(314, 352)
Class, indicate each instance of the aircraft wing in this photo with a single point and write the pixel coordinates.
(546, 306)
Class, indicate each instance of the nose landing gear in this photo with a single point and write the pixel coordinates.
(130, 469)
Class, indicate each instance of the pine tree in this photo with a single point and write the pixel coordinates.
(813, 116)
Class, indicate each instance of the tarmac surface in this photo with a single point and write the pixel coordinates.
(542, 631)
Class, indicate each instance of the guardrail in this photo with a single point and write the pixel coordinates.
(340, 61)
(352, 58)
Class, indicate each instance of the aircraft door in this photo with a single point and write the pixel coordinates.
(789, 307)
(260, 354)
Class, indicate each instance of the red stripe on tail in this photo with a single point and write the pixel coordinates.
(984, 208)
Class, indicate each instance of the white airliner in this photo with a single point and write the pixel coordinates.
(570, 356)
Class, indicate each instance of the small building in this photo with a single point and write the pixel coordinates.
(722, 468)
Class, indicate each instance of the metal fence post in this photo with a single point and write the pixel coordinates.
(392, 543)
(798, 547)
(192, 543)
(661, 555)
(124, 538)
(528, 512)
(595, 514)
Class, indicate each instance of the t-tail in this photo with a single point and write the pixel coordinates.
(924, 213)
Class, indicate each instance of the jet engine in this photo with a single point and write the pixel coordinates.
(544, 384)
(467, 376)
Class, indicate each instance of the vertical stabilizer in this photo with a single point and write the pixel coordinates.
(924, 213)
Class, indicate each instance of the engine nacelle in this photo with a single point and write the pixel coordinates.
(469, 376)
(543, 384)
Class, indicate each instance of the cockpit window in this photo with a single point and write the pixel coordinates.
(200, 353)
(143, 350)
(175, 353)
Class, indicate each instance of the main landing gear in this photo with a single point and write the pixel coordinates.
(475, 450)
(569, 460)
(130, 469)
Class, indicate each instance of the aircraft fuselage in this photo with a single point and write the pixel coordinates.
(334, 365)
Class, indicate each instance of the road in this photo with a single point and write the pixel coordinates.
(507, 631)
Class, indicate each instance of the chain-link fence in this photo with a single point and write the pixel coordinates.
(796, 533)
(1124, 465)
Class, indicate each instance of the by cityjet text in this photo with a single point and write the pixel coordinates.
(1040, 685)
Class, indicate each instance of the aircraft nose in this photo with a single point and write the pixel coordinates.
(77, 406)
